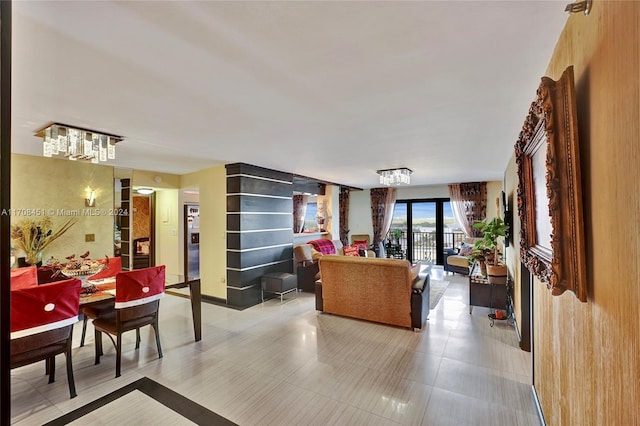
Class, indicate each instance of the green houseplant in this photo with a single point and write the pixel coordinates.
(489, 244)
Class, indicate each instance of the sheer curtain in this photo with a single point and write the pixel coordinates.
(469, 205)
(343, 206)
(299, 212)
(383, 201)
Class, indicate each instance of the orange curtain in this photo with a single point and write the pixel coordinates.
(343, 206)
(469, 205)
(383, 201)
(299, 212)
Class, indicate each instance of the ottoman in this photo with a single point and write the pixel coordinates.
(279, 283)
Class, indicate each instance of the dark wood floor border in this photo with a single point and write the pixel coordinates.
(165, 396)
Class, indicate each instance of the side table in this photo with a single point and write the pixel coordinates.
(483, 293)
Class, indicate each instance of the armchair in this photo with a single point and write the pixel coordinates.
(306, 267)
(456, 260)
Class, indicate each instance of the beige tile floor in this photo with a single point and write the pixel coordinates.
(285, 364)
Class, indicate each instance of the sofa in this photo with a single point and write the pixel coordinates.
(387, 291)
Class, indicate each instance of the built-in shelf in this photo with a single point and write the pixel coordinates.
(304, 237)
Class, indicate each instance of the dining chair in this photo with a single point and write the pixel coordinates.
(24, 277)
(137, 302)
(113, 266)
(42, 319)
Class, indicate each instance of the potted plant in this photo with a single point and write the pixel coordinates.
(494, 229)
(32, 236)
(479, 255)
(397, 234)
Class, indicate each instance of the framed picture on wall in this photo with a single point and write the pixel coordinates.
(549, 189)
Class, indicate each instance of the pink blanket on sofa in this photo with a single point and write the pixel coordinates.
(323, 246)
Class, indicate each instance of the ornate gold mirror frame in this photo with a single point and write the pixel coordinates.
(549, 189)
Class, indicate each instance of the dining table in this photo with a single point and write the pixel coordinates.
(97, 292)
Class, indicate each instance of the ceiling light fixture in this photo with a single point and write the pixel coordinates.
(144, 191)
(77, 143)
(399, 176)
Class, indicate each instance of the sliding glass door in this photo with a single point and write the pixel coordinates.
(421, 229)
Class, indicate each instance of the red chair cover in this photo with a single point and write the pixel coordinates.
(45, 307)
(139, 286)
(114, 265)
(24, 277)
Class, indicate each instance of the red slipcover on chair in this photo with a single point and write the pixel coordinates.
(42, 319)
(24, 277)
(137, 302)
(113, 266)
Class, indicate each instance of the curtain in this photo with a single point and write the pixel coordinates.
(343, 206)
(383, 201)
(469, 205)
(299, 212)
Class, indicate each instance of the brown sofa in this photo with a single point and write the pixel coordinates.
(380, 290)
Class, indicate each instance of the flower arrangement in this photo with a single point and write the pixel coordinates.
(32, 236)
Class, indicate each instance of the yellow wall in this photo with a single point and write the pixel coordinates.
(212, 184)
(587, 355)
(54, 185)
(168, 245)
(154, 180)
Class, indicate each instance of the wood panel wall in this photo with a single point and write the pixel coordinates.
(259, 229)
(587, 355)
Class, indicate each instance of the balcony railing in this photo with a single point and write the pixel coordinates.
(424, 244)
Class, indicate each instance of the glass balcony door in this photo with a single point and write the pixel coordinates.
(421, 229)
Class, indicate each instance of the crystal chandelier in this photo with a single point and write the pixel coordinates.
(395, 176)
(77, 144)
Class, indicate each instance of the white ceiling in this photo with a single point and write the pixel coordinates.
(330, 90)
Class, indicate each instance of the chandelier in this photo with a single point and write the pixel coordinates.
(395, 176)
(77, 143)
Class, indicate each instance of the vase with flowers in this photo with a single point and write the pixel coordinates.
(32, 236)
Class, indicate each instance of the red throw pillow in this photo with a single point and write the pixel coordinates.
(351, 251)
(361, 244)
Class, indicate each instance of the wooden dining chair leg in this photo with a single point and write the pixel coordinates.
(98, 345)
(118, 353)
(72, 383)
(84, 330)
(52, 369)
(138, 338)
(155, 329)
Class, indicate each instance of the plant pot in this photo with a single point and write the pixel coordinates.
(483, 267)
(497, 274)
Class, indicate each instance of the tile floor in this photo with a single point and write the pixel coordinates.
(286, 364)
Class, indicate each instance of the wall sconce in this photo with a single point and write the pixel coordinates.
(90, 200)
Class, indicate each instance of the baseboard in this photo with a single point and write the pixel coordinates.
(538, 406)
(214, 300)
(515, 325)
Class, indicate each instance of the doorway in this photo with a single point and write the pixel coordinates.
(421, 229)
(143, 230)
